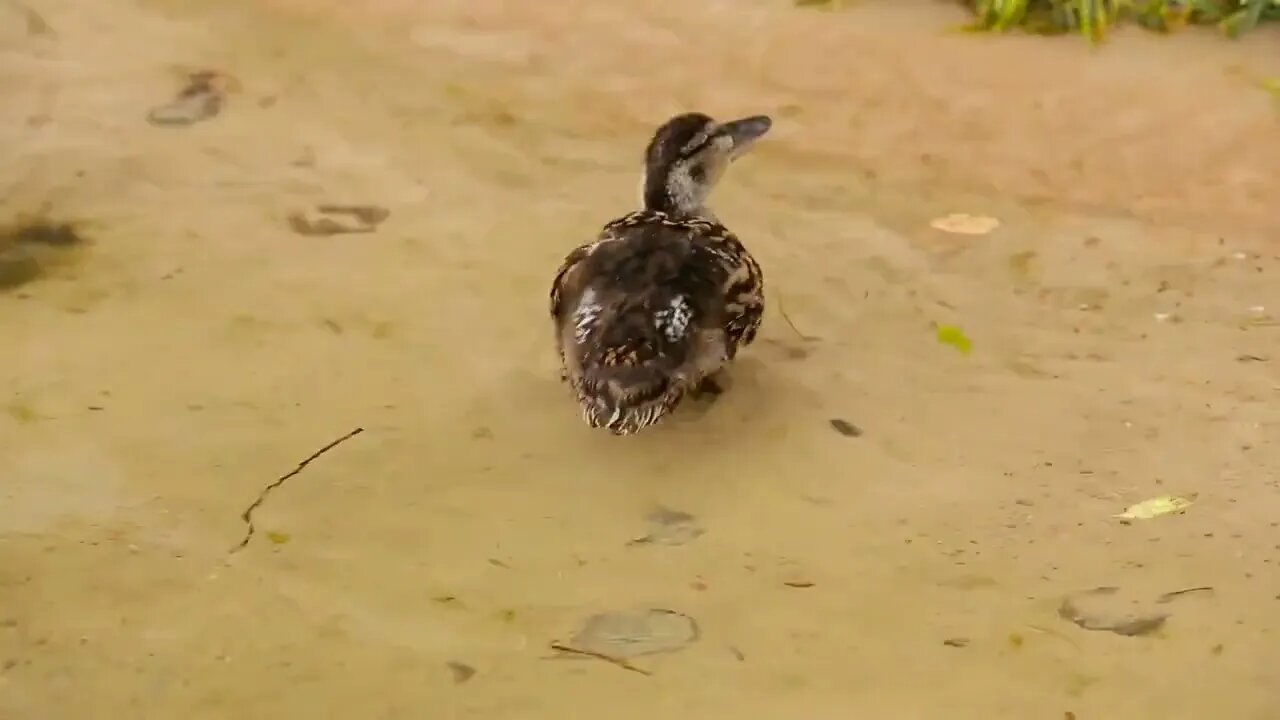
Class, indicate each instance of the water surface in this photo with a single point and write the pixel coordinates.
(157, 377)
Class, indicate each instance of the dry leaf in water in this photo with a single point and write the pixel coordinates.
(630, 634)
(670, 527)
(965, 224)
(1112, 610)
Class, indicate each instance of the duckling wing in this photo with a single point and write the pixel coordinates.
(742, 287)
(570, 262)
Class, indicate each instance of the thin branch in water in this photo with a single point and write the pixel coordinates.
(1171, 595)
(247, 515)
(783, 312)
(599, 656)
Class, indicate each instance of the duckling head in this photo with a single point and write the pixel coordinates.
(687, 157)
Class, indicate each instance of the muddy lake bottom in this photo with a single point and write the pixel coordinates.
(359, 233)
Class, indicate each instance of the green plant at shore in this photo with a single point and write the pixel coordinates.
(1093, 18)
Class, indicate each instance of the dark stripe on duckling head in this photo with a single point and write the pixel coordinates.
(678, 138)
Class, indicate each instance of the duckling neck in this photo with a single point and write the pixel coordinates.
(660, 199)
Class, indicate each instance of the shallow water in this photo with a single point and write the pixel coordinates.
(160, 376)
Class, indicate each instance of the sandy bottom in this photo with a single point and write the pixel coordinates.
(159, 375)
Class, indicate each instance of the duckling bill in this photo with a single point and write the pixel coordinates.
(664, 297)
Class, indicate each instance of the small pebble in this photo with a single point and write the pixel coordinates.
(845, 428)
(201, 99)
(461, 671)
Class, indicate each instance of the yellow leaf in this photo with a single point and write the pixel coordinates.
(965, 224)
(278, 538)
(955, 337)
(1155, 507)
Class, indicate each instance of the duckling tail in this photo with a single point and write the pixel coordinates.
(635, 373)
(629, 411)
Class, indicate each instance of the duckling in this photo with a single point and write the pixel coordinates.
(664, 297)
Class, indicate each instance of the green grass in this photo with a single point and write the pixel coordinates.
(1094, 18)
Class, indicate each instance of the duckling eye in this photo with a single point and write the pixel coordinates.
(697, 173)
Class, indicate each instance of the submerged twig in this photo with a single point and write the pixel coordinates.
(247, 515)
(1175, 593)
(599, 656)
(1054, 633)
(783, 312)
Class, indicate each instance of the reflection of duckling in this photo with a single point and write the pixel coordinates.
(663, 298)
